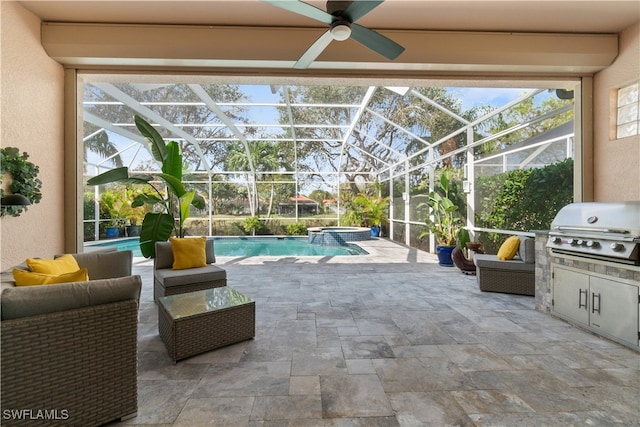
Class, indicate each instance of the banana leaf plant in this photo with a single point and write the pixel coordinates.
(443, 220)
(157, 226)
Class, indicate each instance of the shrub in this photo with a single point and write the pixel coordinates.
(252, 225)
(296, 229)
(523, 199)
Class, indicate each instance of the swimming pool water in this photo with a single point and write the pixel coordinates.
(253, 246)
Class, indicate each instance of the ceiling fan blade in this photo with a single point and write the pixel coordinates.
(358, 9)
(376, 42)
(303, 9)
(314, 51)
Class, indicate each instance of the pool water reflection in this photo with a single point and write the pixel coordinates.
(251, 246)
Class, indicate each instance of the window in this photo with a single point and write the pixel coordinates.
(628, 111)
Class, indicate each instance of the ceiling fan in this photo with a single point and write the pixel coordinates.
(340, 17)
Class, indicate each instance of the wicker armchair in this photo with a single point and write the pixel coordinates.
(71, 349)
(167, 281)
(516, 276)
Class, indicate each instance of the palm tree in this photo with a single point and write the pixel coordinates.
(99, 143)
(264, 158)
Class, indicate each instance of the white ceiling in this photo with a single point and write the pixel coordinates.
(501, 15)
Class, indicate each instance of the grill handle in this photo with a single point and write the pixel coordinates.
(587, 229)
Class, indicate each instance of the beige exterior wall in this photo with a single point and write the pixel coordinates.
(31, 119)
(616, 162)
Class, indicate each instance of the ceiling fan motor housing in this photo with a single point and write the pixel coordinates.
(340, 30)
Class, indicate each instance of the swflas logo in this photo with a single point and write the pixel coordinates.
(36, 414)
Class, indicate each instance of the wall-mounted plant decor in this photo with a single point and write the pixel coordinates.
(25, 178)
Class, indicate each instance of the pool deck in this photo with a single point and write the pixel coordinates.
(385, 339)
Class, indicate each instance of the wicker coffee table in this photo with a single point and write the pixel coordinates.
(195, 322)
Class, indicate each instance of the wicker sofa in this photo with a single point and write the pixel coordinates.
(515, 276)
(71, 349)
(167, 281)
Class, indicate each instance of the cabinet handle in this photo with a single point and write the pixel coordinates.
(580, 304)
(593, 303)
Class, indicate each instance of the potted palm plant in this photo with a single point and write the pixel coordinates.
(443, 221)
(157, 226)
(117, 209)
(133, 229)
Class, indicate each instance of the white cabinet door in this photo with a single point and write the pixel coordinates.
(571, 295)
(613, 309)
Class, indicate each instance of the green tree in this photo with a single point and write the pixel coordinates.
(265, 158)
(97, 141)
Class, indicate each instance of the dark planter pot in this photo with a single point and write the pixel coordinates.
(444, 255)
(133, 230)
(375, 231)
(112, 232)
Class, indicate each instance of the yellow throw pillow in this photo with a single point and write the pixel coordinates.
(29, 278)
(509, 248)
(188, 252)
(62, 265)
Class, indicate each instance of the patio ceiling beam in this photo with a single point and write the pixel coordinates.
(189, 46)
(136, 106)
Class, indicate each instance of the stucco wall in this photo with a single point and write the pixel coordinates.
(31, 119)
(616, 161)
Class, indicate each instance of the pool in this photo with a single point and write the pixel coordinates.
(252, 246)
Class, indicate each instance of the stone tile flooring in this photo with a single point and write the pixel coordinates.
(387, 339)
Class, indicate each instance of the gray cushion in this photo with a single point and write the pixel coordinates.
(164, 254)
(105, 265)
(491, 261)
(26, 301)
(527, 250)
(169, 277)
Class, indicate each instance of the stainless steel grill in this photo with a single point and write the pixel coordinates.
(597, 230)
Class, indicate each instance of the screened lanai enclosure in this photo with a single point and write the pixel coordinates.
(295, 154)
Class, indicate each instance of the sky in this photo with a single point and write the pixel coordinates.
(492, 96)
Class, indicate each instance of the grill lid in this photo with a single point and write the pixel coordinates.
(608, 231)
(621, 219)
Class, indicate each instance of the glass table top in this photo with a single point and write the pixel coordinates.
(200, 302)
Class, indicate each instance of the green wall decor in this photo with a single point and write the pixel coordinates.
(25, 179)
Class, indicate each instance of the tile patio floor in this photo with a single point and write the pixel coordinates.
(388, 339)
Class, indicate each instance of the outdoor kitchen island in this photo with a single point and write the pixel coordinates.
(588, 269)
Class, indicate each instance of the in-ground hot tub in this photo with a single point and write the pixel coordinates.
(337, 235)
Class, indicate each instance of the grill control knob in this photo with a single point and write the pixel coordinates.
(573, 242)
(617, 247)
(581, 243)
(556, 240)
(592, 244)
